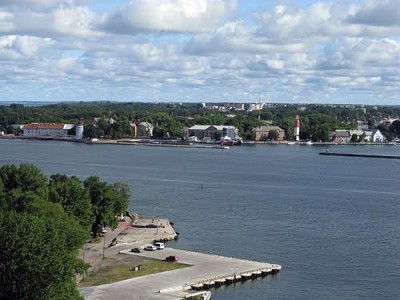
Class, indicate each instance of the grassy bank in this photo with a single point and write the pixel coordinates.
(121, 267)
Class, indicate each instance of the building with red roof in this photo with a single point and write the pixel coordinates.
(46, 129)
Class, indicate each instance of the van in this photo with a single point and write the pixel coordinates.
(159, 245)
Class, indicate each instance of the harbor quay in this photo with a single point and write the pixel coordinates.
(206, 271)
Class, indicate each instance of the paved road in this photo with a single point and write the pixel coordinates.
(204, 266)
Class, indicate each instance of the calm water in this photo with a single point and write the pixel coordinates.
(332, 222)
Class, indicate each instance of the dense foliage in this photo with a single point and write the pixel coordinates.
(169, 120)
(43, 224)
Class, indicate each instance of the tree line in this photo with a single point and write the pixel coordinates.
(317, 121)
(43, 224)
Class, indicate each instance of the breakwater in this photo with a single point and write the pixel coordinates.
(361, 155)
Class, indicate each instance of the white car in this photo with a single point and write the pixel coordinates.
(150, 248)
(159, 245)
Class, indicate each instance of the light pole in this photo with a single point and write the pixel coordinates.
(104, 243)
(83, 259)
(154, 212)
(158, 220)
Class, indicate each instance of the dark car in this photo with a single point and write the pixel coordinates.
(152, 225)
(136, 250)
(171, 258)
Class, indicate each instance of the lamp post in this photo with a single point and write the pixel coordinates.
(154, 212)
(83, 259)
(104, 244)
(158, 221)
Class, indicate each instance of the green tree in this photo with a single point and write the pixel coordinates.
(22, 186)
(38, 255)
(122, 129)
(386, 132)
(91, 131)
(26, 177)
(39, 242)
(273, 135)
(122, 194)
(395, 128)
(321, 133)
(361, 138)
(106, 202)
(217, 135)
(74, 198)
(158, 133)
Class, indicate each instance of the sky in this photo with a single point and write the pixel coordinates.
(288, 51)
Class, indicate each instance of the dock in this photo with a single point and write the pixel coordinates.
(361, 155)
(207, 271)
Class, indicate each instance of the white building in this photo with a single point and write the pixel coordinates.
(79, 131)
(46, 129)
(256, 106)
(207, 132)
(373, 135)
(377, 136)
(145, 129)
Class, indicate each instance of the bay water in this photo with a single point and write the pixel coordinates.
(333, 223)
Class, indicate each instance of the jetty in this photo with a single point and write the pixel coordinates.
(360, 155)
(207, 271)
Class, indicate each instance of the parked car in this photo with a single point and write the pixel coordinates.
(171, 258)
(159, 245)
(137, 250)
(150, 248)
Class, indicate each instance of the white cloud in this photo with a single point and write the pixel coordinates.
(197, 50)
(24, 46)
(377, 13)
(146, 53)
(361, 54)
(324, 21)
(5, 21)
(236, 37)
(41, 4)
(286, 24)
(73, 21)
(169, 16)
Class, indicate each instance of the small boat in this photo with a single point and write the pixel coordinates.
(226, 141)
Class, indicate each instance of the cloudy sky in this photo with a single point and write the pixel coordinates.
(307, 51)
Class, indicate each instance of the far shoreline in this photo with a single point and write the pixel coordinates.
(178, 143)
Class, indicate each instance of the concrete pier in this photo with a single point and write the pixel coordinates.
(207, 271)
(360, 155)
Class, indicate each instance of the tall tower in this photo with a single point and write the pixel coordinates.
(297, 129)
(79, 131)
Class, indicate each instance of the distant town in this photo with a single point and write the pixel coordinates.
(225, 123)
